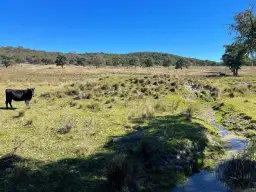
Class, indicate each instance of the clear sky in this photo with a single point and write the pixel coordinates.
(192, 28)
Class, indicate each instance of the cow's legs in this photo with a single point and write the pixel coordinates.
(27, 103)
(10, 102)
(6, 103)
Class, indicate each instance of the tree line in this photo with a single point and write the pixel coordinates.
(15, 55)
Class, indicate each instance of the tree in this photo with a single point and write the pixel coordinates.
(245, 29)
(167, 62)
(116, 61)
(71, 61)
(149, 62)
(180, 64)
(18, 60)
(98, 61)
(46, 61)
(234, 57)
(61, 60)
(134, 61)
(80, 61)
(6, 61)
(158, 62)
(109, 62)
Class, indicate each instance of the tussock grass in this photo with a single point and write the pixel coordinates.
(78, 102)
(239, 173)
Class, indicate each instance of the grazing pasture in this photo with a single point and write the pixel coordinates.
(66, 139)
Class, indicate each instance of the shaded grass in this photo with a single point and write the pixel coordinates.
(151, 162)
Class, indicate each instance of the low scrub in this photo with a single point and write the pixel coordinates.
(95, 106)
(191, 110)
(65, 127)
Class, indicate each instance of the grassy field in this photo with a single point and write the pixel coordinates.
(64, 141)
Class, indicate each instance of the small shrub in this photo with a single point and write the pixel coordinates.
(143, 90)
(191, 111)
(105, 87)
(59, 94)
(110, 101)
(95, 106)
(71, 91)
(123, 84)
(65, 127)
(161, 81)
(82, 87)
(161, 106)
(148, 82)
(218, 106)
(231, 95)
(116, 86)
(241, 89)
(72, 104)
(147, 111)
(141, 81)
(87, 95)
(174, 105)
(156, 96)
(135, 81)
(203, 92)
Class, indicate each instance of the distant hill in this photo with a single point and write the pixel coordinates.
(23, 55)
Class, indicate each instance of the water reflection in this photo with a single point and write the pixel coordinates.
(207, 181)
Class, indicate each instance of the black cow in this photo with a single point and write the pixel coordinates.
(18, 95)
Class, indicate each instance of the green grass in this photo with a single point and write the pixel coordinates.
(68, 128)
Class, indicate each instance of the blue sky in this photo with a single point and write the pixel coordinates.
(192, 28)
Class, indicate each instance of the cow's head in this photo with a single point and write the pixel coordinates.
(32, 91)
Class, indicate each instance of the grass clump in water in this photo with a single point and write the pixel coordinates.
(240, 172)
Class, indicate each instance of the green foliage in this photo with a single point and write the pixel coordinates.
(180, 64)
(61, 60)
(149, 62)
(80, 61)
(234, 57)
(167, 62)
(245, 29)
(134, 61)
(22, 55)
(98, 61)
(6, 61)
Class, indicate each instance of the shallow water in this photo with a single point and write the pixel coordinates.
(207, 181)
